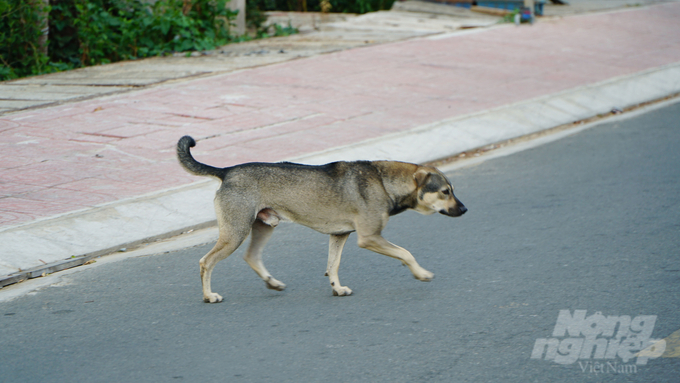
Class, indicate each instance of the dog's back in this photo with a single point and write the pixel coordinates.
(326, 198)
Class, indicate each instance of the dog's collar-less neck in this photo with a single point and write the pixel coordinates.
(400, 199)
(401, 204)
(396, 209)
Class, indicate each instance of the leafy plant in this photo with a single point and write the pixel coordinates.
(341, 6)
(255, 17)
(90, 32)
(278, 30)
(112, 30)
(510, 17)
(21, 23)
(284, 31)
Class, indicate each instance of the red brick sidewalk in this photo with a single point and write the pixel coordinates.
(70, 157)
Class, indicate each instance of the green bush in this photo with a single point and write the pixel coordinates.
(90, 32)
(101, 31)
(20, 31)
(341, 6)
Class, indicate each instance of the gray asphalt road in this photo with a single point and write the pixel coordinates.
(590, 222)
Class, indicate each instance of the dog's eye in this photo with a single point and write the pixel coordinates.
(446, 191)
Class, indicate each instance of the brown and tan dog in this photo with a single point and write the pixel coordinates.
(335, 199)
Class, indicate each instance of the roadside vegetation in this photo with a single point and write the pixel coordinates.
(91, 32)
(256, 18)
(340, 6)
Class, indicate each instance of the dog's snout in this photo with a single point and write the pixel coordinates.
(456, 211)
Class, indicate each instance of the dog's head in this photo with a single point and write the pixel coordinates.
(435, 193)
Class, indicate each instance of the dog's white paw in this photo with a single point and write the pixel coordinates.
(341, 291)
(274, 284)
(423, 275)
(212, 298)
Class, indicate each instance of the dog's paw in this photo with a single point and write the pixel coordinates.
(423, 275)
(274, 284)
(342, 291)
(212, 298)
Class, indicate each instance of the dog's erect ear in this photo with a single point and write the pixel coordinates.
(421, 176)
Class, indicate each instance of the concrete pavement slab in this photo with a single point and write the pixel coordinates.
(89, 176)
(319, 34)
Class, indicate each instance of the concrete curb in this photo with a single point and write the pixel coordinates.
(70, 240)
(445, 138)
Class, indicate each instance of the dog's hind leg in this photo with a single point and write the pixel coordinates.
(336, 243)
(222, 249)
(234, 229)
(259, 236)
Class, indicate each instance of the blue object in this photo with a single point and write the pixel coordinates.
(511, 5)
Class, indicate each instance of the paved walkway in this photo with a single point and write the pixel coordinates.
(319, 34)
(83, 155)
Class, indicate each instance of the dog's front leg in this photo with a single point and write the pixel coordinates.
(335, 245)
(380, 245)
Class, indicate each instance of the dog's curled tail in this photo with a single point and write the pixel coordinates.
(190, 164)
